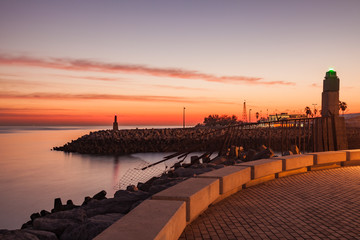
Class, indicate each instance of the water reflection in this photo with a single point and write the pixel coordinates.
(31, 175)
(116, 170)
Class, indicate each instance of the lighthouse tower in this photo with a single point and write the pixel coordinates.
(332, 126)
(330, 94)
(115, 124)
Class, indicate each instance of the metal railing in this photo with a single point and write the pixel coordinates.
(308, 134)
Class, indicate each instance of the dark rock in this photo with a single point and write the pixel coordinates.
(194, 160)
(171, 174)
(77, 214)
(162, 181)
(250, 154)
(100, 195)
(177, 165)
(145, 186)
(28, 224)
(54, 225)
(132, 188)
(199, 165)
(111, 205)
(184, 172)
(42, 235)
(91, 228)
(86, 200)
(57, 205)
(206, 159)
(44, 213)
(121, 203)
(69, 205)
(140, 186)
(157, 188)
(34, 216)
(125, 196)
(267, 153)
(218, 160)
(161, 184)
(16, 235)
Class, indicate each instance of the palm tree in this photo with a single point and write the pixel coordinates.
(315, 112)
(308, 112)
(342, 106)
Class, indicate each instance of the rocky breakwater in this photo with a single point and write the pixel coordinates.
(135, 141)
(128, 141)
(69, 221)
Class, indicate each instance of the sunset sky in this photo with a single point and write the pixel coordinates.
(82, 62)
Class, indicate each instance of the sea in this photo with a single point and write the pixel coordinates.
(32, 175)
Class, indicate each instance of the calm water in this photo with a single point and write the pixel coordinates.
(31, 175)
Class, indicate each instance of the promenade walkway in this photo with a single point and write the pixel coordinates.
(315, 205)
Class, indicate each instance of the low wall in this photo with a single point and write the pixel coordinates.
(165, 216)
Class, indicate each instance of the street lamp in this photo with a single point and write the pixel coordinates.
(250, 115)
(184, 117)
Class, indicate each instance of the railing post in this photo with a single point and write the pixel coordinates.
(308, 135)
(282, 129)
(299, 134)
(269, 135)
(296, 133)
(286, 135)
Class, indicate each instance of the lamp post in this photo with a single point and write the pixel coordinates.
(250, 115)
(184, 117)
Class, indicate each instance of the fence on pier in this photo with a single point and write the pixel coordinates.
(308, 134)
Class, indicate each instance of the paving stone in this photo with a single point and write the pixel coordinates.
(314, 205)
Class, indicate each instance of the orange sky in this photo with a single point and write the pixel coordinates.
(145, 63)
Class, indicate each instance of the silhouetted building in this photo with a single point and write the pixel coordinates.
(115, 124)
(283, 116)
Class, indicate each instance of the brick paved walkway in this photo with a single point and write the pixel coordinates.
(315, 205)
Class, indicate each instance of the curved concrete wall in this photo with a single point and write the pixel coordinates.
(165, 216)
